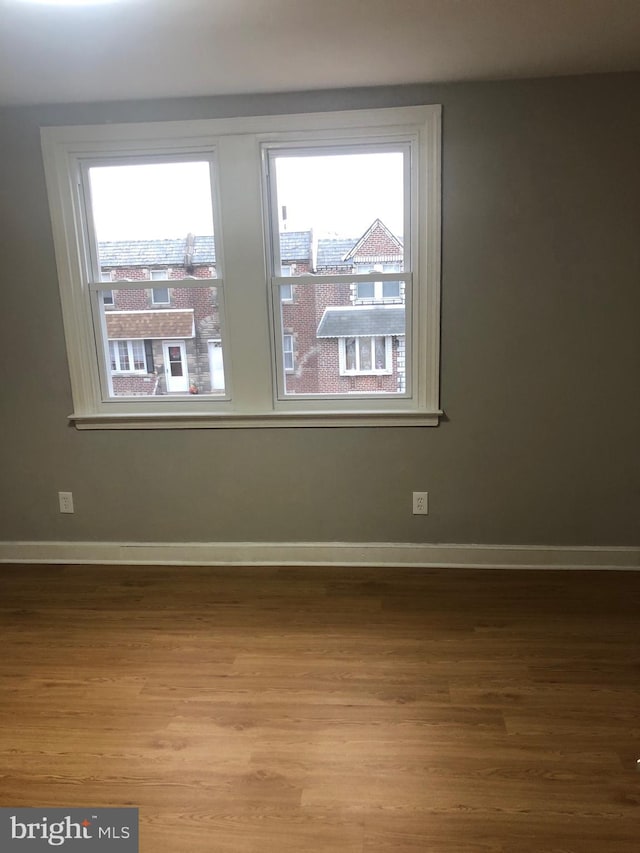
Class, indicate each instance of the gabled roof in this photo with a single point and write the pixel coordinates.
(147, 253)
(376, 244)
(146, 325)
(353, 321)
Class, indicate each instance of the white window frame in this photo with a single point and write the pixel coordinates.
(163, 276)
(251, 325)
(378, 288)
(387, 370)
(286, 290)
(107, 295)
(288, 337)
(118, 370)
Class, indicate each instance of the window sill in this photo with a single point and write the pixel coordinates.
(256, 421)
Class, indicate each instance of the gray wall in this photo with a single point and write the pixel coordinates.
(540, 352)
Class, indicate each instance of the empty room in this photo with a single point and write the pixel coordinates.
(320, 418)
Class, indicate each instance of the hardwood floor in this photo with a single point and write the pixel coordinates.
(328, 709)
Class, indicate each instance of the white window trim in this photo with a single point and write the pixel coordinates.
(378, 295)
(235, 145)
(164, 277)
(286, 271)
(155, 301)
(285, 351)
(378, 288)
(118, 370)
(387, 370)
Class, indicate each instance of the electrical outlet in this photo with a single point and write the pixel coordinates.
(421, 503)
(65, 499)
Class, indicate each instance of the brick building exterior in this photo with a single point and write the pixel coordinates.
(337, 338)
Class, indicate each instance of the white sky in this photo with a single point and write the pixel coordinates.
(339, 195)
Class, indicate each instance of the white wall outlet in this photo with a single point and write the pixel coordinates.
(65, 499)
(421, 503)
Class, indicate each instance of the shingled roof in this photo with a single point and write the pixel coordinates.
(295, 246)
(353, 321)
(335, 253)
(332, 251)
(148, 253)
(146, 325)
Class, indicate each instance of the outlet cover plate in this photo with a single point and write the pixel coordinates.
(421, 503)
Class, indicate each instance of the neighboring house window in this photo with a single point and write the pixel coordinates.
(368, 180)
(107, 295)
(287, 352)
(365, 355)
(160, 295)
(378, 291)
(127, 356)
(286, 290)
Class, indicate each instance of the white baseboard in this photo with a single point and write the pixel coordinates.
(322, 554)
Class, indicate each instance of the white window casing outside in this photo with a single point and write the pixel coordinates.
(362, 356)
(287, 351)
(240, 152)
(127, 357)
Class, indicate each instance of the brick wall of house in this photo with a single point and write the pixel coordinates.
(316, 361)
(203, 302)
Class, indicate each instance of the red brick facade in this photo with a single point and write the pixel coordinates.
(318, 367)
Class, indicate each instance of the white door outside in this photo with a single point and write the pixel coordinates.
(216, 365)
(175, 366)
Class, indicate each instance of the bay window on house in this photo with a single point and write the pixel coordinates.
(303, 257)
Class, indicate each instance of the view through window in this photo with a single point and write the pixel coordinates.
(259, 271)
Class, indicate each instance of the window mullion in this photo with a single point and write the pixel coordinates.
(245, 292)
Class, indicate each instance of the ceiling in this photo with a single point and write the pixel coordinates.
(163, 48)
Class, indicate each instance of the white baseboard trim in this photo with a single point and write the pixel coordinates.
(323, 554)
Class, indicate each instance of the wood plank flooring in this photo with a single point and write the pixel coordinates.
(299, 710)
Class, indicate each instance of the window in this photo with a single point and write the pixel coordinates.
(366, 355)
(227, 344)
(287, 352)
(160, 295)
(107, 295)
(127, 356)
(379, 291)
(286, 290)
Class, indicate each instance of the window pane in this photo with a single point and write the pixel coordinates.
(138, 355)
(366, 289)
(350, 354)
(286, 292)
(123, 355)
(341, 196)
(334, 345)
(154, 215)
(365, 353)
(159, 346)
(160, 295)
(287, 350)
(391, 289)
